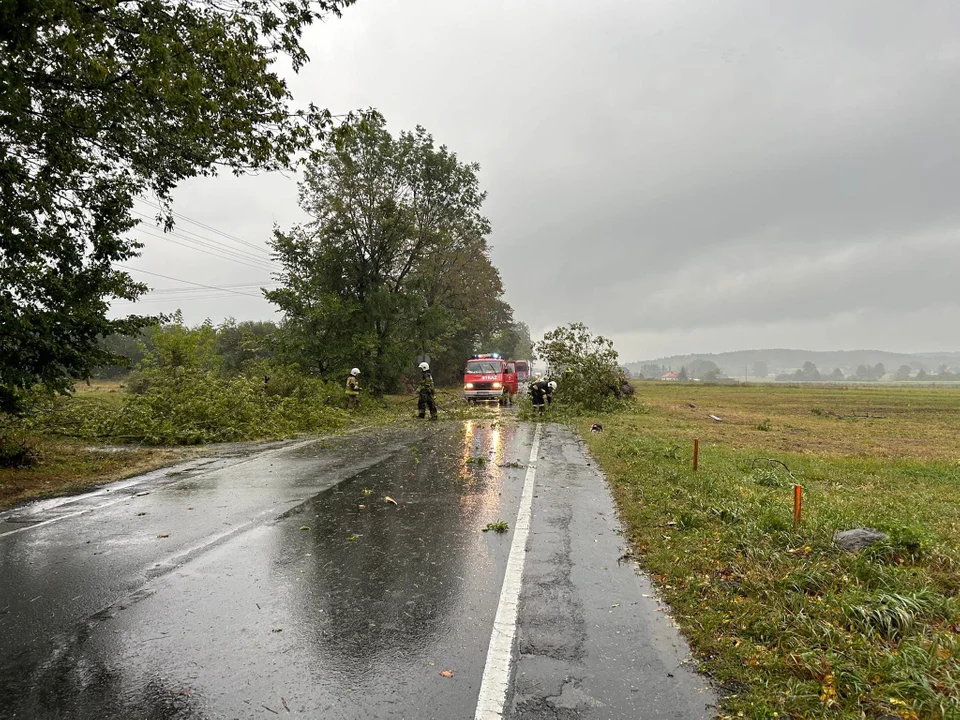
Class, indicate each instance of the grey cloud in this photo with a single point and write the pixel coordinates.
(887, 276)
(659, 168)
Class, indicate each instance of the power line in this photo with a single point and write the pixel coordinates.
(261, 265)
(170, 291)
(202, 225)
(208, 252)
(263, 256)
(210, 242)
(191, 293)
(187, 282)
(172, 300)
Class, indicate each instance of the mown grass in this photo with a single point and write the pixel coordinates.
(786, 623)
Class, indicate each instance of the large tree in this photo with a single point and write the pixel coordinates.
(394, 262)
(103, 101)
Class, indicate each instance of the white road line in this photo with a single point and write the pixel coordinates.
(496, 672)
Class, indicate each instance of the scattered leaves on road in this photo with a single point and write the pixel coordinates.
(367, 492)
(353, 538)
(446, 673)
(498, 527)
(304, 527)
(390, 500)
(161, 537)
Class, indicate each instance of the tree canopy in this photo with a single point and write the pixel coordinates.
(103, 102)
(903, 372)
(586, 368)
(512, 341)
(701, 369)
(394, 262)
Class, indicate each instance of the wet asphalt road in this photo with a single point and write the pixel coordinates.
(256, 586)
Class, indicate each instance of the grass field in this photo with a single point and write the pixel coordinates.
(786, 623)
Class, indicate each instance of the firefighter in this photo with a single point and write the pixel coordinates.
(353, 389)
(551, 386)
(426, 390)
(538, 391)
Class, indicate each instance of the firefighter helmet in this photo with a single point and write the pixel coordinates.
(424, 366)
(552, 384)
(355, 372)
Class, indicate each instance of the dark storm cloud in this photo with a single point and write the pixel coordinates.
(663, 166)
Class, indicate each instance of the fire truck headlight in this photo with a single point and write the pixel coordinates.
(468, 386)
(497, 385)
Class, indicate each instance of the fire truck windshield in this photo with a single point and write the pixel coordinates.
(480, 367)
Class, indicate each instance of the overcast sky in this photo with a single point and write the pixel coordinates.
(681, 176)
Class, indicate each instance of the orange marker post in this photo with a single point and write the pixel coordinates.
(696, 452)
(797, 504)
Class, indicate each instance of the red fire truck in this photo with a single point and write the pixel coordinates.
(490, 377)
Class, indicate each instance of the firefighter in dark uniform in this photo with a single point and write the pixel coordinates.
(353, 389)
(426, 392)
(538, 391)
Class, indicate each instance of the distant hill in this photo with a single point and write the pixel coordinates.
(780, 360)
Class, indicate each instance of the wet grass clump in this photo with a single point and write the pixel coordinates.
(16, 451)
(498, 527)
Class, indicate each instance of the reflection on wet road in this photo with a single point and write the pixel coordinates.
(287, 583)
(345, 605)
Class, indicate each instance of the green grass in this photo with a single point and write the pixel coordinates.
(786, 623)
